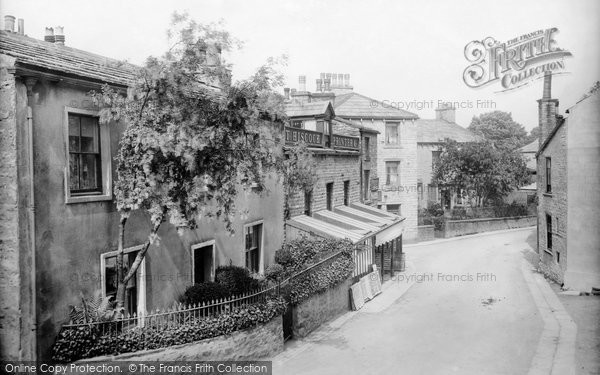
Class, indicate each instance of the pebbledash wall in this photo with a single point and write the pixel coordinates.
(71, 235)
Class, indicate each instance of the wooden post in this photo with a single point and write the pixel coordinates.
(392, 258)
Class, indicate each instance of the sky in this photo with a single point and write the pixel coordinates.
(408, 54)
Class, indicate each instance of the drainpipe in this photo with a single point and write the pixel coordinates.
(30, 82)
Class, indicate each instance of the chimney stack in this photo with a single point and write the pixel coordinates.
(9, 23)
(346, 80)
(547, 109)
(49, 37)
(21, 27)
(293, 92)
(445, 112)
(319, 85)
(286, 93)
(327, 84)
(334, 81)
(302, 83)
(59, 36)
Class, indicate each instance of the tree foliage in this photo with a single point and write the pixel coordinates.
(499, 129)
(480, 168)
(192, 138)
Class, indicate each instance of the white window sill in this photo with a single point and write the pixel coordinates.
(89, 198)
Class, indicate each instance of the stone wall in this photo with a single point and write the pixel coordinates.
(320, 308)
(553, 204)
(335, 167)
(262, 341)
(455, 228)
(426, 233)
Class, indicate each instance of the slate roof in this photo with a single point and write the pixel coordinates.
(530, 147)
(435, 131)
(54, 58)
(356, 125)
(354, 105)
(297, 109)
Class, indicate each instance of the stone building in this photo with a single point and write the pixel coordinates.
(431, 136)
(59, 223)
(340, 203)
(568, 190)
(394, 173)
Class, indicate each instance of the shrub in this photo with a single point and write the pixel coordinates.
(236, 279)
(298, 254)
(274, 272)
(204, 292)
(86, 341)
(434, 209)
(320, 279)
(510, 210)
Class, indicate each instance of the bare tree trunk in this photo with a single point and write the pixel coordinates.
(120, 281)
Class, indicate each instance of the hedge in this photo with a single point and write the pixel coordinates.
(86, 341)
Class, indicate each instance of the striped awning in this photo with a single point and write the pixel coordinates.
(356, 222)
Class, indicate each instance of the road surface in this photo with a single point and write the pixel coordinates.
(469, 311)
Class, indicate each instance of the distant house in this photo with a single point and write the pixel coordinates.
(568, 190)
(392, 177)
(528, 152)
(431, 135)
(339, 204)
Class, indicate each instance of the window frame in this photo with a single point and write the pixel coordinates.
(387, 175)
(367, 148)
(366, 185)
(548, 175)
(387, 138)
(549, 243)
(308, 197)
(198, 246)
(329, 196)
(105, 194)
(261, 251)
(140, 276)
(346, 192)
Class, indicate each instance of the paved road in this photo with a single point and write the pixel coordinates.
(470, 312)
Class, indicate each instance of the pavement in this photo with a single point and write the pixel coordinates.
(469, 305)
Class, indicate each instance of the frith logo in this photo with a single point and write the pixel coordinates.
(514, 63)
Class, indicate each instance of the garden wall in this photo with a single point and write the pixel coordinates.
(262, 341)
(455, 228)
(320, 308)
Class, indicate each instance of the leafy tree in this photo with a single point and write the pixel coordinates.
(480, 168)
(189, 146)
(499, 129)
(534, 134)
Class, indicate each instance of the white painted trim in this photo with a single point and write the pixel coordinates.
(141, 276)
(105, 155)
(261, 260)
(197, 246)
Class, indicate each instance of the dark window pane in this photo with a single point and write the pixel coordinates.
(89, 134)
(89, 172)
(73, 134)
(74, 171)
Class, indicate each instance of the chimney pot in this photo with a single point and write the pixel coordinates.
(302, 83)
(327, 84)
(319, 85)
(49, 37)
(547, 94)
(21, 27)
(9, 23)
(59, 35)
(286, 92)
(334, 80)
(347, 80)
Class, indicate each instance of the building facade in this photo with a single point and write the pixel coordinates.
(568, 190)
(394, 172)
(59, 223)
(339, 204)
(431, 136)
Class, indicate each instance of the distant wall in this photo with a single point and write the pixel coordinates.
(455, 228)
